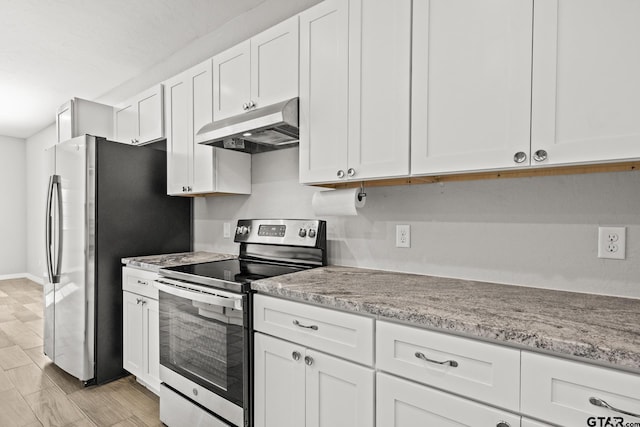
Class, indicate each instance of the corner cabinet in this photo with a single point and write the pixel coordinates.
(258, 72)
(141, 327)
(140, 119)
(354, 90)
(79, 117)
(196, 169)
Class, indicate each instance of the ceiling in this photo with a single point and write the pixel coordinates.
(51, 51)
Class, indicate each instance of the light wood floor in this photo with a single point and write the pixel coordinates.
(34, 392)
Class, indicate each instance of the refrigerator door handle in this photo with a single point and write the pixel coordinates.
(58, 183)
(54, 275)
(48, 231)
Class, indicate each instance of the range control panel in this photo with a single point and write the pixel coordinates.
(291, 232)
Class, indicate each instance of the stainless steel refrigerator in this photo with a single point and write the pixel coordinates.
(105, 201)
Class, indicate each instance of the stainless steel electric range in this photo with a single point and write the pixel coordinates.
(206, 321)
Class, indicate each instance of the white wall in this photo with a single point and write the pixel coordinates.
(13, 207)
(539, 231)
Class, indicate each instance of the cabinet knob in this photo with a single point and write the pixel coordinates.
(138, 301)
(503, 424)
(540, 156)
(308, 360)
(189, 188)
(295, 355)
(351, 171)
(340, 173)
(184, 188)
(251, 105)
(520, 157)
(245, 106)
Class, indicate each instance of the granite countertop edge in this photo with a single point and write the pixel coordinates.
(577, 349)
(154, 263)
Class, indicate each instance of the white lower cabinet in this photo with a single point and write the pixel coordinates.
(141, 328)
(296, 386)
(570, 393)
(401, 403)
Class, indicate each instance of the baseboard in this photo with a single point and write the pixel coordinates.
(38, 280)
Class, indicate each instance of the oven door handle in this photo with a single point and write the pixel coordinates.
(234, 302)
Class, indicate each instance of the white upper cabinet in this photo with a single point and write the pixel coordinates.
(354, 90)
(471, 85)
(258, 72)
(195, 168)
(79, 117)
(586, 90)
(140, 119)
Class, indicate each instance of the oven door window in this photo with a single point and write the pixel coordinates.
(204, 343)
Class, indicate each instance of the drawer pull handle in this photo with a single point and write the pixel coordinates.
(601, 403)
(451, 363)
(142, 282)
(314, 327)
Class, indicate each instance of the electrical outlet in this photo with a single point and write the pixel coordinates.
(612, 242)
(403, 236)
(226, 230)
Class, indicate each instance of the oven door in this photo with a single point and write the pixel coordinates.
(205, 346)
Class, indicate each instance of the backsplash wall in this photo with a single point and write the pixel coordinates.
(539, 231)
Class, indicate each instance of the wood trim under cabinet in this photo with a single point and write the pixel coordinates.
(515, 173)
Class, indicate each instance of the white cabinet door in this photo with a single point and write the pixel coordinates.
(149, 105)
(338, 393)
(324, 99)
(151, 339)
(379, 89)
(401, 403)
(179, 144)
(586, 90)
(274, 64)
(355, 90)
(232, 80)
(279, 383)
(133, 351)
(125, 123)
(140, 119)
(471, 84)
(64, 122)
(201, 113)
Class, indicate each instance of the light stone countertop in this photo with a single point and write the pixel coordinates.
(601, 329)
(156, 262)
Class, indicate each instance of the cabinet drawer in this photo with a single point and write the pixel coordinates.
(342, 334)
(486, 372)
(139, 282)
(402, 403)
(559, 390)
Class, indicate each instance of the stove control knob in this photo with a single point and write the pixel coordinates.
(312, 233)
(242, 230)
(302, 232)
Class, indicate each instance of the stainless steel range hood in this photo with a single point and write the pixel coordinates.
(269, 128)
